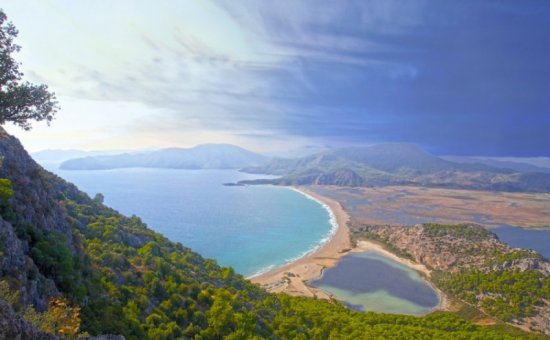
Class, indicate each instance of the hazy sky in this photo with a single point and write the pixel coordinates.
(455, 77)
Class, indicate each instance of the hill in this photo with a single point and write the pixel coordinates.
(473, 265)
(205, 156)
(61, 155)
(69, 264)
(396, 164)
(515, 165)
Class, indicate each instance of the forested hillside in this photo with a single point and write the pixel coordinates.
(70, 265)
(473, 265)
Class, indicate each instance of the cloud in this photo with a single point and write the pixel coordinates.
(454, 77)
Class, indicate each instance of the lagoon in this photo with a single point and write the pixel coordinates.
(370, 281)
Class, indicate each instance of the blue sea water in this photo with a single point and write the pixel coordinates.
(250, 228)
(530, 238)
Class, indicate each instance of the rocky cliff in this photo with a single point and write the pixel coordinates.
(13, 326)
(33, 208)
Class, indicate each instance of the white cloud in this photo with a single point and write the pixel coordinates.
(126, 68)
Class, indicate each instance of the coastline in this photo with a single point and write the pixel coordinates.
(292, 277)
(364, 246)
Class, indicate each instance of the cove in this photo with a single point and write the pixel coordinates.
(250, 228)
(369, 281)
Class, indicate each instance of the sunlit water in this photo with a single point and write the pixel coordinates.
(537, 239)
(372, 282)
(250, 228)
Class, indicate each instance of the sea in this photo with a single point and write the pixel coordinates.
(250, 228)
(253, 229)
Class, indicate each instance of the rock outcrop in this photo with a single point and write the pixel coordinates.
(13, 326)
(33, 204)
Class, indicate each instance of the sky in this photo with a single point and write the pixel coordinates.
(454, 77)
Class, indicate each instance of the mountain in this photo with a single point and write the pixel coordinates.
(61, 155)
(515, 165)
(396, 164)
(71, 266)
(205, 156)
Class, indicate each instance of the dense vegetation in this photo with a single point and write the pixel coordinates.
(110, 274)
(129, 280)
(507, 294)
(464, 231)
(471, 264)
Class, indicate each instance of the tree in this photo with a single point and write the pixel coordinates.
(20, 102)
(99, 198)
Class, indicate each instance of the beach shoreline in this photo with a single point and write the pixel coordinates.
(365, 246)
(292, 278)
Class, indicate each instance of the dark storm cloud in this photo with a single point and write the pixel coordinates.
(468, 77)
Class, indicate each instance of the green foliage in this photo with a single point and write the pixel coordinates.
(6, 190)
(11, 296)
(465, 231)
(507, 294)
(129, 280)
(55, 260)
(144, 286)
(20, 102)
(516, 254)
(60, 318)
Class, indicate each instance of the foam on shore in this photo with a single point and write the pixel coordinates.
(334, 227)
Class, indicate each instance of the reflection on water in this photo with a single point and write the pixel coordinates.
(537, 239)
(371, 282)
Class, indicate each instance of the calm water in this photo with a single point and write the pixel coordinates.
(372, 282)
(248, 228)
(537, 239)
(530, 238)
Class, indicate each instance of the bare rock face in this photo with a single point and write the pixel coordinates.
(526, 264)
(13, 326)
(16, 265)
(32, 205)
(33, 200)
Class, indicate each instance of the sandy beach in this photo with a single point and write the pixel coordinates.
(292, 278)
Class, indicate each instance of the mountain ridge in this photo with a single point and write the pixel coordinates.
(203, 156)
(395, 164)
(58, 243)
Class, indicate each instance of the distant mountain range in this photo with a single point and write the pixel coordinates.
(503, 163)
(60, 155)
(205, 156)
(396, 164)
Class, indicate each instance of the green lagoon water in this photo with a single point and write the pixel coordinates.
(370, 281)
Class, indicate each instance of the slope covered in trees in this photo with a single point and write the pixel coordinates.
(473, 265)
(128, 280)
(71, 266)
